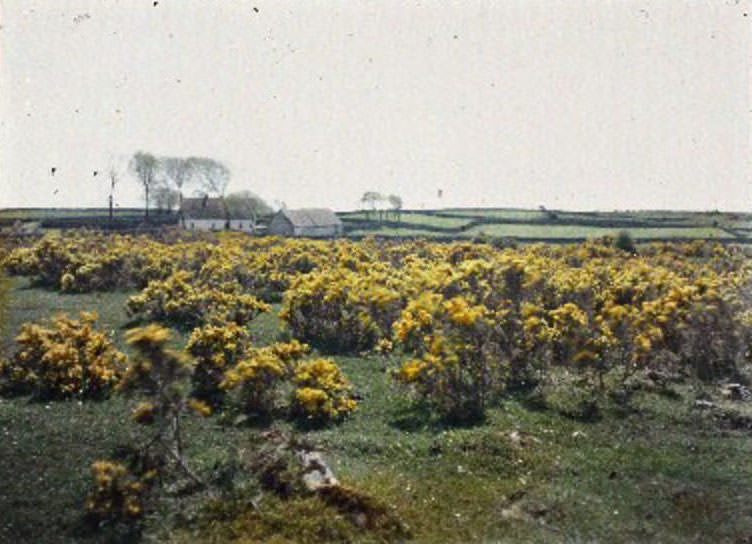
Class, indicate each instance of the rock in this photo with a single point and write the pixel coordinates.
(515, 512)
(704, 404)
(316, 473)
(242, 419)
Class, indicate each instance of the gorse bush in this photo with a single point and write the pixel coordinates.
(341, 310)
(118, 495)
(470, 321)
(461, 354)
(258, 377)
(215, 349)
(70, 358)
(185, 302)
(321, 391)
(80, 261)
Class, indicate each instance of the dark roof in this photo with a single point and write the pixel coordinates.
(215, 208)
(311, 217)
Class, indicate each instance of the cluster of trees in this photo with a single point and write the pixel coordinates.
(163, 178)
(377, 205)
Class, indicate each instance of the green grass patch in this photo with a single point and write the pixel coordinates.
(499, 214)
(578, 231)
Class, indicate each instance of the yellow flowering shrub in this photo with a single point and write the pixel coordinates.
(185, 302)
(70, 358)
(81, 261)
(463, 355)
(589, 307)
(258, 376)
(321, 391)
(215, 349)
(118, 494)
(20, 261)
(341, 310)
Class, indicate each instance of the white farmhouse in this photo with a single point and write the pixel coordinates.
(215, 214)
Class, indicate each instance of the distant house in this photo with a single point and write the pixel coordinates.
(215, 214)
(313, 222)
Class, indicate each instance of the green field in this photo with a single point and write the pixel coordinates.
(496, 214)
(538, 225)
(544, 232)
(660, 470)
(567, 231)
(36, 214)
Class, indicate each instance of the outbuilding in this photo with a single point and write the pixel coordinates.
(312, 222)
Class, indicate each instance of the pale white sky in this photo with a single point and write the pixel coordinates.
(581, 104)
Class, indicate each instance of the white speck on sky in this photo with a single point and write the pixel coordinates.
(580, 104)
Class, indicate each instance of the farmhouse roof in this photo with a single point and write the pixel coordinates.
(215, 208)
(311, 217)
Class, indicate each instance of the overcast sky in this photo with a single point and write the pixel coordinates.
(594, 104)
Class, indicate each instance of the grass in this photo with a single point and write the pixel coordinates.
(536, 224)
(500, 214)
(406, 232)
(577, 231)
(544, 232)
(48, 213)
(660, 471)
(434, 220)
(415, 218)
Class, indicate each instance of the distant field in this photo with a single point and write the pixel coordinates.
(495, 214)
(566, 231)
(558, 225)
(467, 223)
(31, 214)
(387, 231)
(551, 231)
(417, 218)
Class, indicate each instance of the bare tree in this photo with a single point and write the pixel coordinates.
(211, 175)
(179, 171)
(369, 200)
(146, 167)
(396, 203)
(165, 196)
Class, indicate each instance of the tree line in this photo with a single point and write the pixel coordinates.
(375, 205)
(164, 178)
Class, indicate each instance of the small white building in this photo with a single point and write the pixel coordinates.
(312, 222)
(214, 214)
